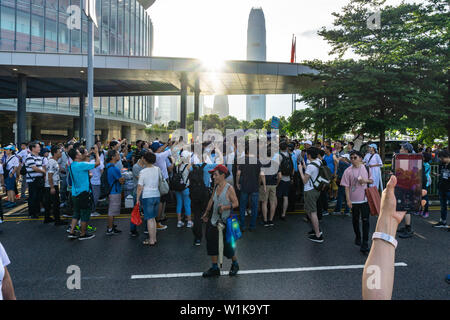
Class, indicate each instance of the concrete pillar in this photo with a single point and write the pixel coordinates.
(82, 121)
(126, 133)
(183, 90)
(76, 127)
(197, 100)
(21, 108)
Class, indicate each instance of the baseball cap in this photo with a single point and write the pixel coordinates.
(308, 142)
(155, 146)
(346, 156)
(220, 168)
(373, 145)
(408, 146)
(10, 147)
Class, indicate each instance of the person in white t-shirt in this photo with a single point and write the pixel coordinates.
(51, 191)
(310, 193)
(12, 166)
(6, 285)
(96, 175)
(22, 155)
(148, 187)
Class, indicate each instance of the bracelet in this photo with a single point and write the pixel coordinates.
(385, 237)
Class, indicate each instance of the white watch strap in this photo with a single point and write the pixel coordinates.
(385, 237)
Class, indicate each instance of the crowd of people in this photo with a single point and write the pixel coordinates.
(207, 188)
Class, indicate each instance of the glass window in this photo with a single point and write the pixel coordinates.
(98, 12)
(126, 106)
(120, 106)
(138, 29)
(120, 11)
(84, 36)
(132, 26)
(75, 34)
(63, 32)
(37, 26)
(113, 27)
(105, 105)
(112, 106)
(50, 103)
(105, 26)
(96, 105)
(131, 107)
(126, 35)
(23, 26)
(63, 104)
(141, 36)
(74, 104)
(8, 27)
(51, 36)
(51, 4)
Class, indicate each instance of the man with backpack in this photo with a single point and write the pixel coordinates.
(114, 183)
(11, 165)
(179, 183)
(313, 182)
(287, 170)
(81, 198)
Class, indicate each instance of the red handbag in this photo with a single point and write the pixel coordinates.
(374, 200)
(136, 216)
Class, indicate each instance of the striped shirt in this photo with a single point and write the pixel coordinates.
(30, 162)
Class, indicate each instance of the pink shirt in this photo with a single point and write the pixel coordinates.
(350, 179)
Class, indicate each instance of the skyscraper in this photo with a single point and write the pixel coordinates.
(221, 106)
(256, 51)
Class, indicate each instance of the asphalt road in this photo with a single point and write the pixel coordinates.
(40, 255)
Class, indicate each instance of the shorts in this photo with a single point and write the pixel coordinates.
(150, 207)
(283, 189)
(80, 214)
(10, 183)
(115, 201)
(212, 242)
(269, 195)
(311, 198)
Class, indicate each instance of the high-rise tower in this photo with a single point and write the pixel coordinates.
(256, 51)
(221, 106)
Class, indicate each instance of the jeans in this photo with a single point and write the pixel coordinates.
(24, 186)
(340, 199)
(444, 198)
(361, 209)
(254, 196)
(183, 199)
(95, 196)
(51, 203)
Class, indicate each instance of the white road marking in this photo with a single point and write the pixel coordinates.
(260, 271)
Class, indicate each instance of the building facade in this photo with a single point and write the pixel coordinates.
(256, 51)
(124, 29)
(221, 106)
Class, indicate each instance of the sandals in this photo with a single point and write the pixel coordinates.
(146, 242)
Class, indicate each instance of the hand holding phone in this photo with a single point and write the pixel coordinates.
(408, 191)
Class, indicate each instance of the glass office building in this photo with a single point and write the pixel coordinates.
(124, 29)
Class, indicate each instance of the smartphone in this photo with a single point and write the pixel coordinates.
(408, 191)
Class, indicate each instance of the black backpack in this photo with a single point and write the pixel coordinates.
(286, 165)
(177, 182)
(105, 188)
(323, 179)
(197, 189)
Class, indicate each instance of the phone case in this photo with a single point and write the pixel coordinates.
(408, 191)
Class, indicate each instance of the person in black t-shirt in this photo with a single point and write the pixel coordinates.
(247, 179)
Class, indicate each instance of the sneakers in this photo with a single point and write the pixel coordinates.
(425, 214)
(190, 224)
(336, 213)
(312, 232)
(112, 232)
(146, 231)
(325, 213)
(72, 235)
(266, 224)
(180, 224)
(347, 214)
(271, 224)
(160, 226)
(407, 233)
(316, 239)
(234, 269)
(197, 242)
(212, 272)
(419, 213)
(134, 233)
(95, 214)
(440, 224)
(87, 236)
(89, 228)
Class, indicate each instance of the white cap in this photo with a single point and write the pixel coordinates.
(346, 156)
(308, 142)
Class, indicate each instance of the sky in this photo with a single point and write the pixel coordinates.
(218, 28)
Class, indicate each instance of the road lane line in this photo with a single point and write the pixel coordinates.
(260, 271)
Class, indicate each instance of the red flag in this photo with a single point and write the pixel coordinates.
(294, 42)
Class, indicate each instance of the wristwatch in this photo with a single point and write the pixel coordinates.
(385, 237)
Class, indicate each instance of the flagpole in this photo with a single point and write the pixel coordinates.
(89, 9)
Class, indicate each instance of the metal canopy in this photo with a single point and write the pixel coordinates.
(65, 75)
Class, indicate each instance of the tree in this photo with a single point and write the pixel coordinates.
(257, 124)
(397, 82)
(211, 121)
(229, 122)
(173, 125)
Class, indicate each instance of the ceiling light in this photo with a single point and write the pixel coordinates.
(15, 69)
